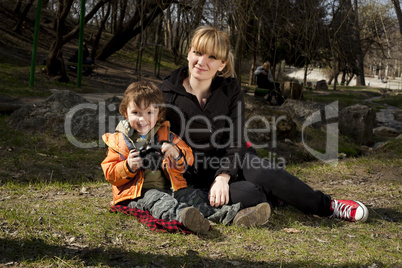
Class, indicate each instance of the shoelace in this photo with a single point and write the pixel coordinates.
(341, 210)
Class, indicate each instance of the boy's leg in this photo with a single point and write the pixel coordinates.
(159, 203)
(199, 199)
(162, 205)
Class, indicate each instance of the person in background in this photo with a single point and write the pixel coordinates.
(265, 79)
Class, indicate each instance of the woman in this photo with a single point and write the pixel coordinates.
(206, 108)
(265, 80)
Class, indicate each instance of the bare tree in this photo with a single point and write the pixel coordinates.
(17, 7)
(98, 35)
(54, 62)
(132, 27)
(397, 5)
(22, 15)
(360, 81)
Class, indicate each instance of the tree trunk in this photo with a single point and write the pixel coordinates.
(168, 30)
(350, 79)
(359, 53)
(113, 27)
(54, 60)
(17, 8)
(98, 35)
(157, 37)
(397, 5)
(176, 38)
(123, 8)
(23, 15)
(305, 74)
(129, 31)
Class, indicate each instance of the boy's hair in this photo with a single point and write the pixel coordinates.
(209, 40)
(143, 92)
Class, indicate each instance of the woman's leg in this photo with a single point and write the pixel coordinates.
(285, 186)
(247, 193)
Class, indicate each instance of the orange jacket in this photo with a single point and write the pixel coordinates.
(127, 184)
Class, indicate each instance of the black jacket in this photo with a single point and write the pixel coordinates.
(215, 133)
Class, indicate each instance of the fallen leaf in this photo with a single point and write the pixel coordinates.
(292, 230)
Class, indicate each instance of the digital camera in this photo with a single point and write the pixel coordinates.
(152, 157)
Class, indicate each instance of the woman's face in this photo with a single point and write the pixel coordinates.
(203, 66)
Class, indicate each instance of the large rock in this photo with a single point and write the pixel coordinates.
(68, 113)
(398, 115)
(274, 125)
(292, 90)
(387, 132)
(357, 122)
(321, 85)
(301, 110)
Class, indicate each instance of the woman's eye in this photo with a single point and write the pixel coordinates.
(197, 53)
(212, 57)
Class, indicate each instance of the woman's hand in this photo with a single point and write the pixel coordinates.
(170, 150)
(219, 191)
(134, 161)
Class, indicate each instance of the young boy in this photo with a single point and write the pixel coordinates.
(161, 190)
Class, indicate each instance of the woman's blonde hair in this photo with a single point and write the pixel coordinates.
(146, 93)
(209, 40)
(267, 65)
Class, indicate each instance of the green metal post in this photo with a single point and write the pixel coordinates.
(35, 44)
(80, 43)
(156, 60)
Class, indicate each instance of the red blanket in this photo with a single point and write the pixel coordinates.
(146, 218)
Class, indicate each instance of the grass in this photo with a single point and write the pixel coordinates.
(345, 97)
(393, 100)
(54, 204)
(59, 217)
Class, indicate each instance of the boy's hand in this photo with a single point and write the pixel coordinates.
(134, 161)
(170, 150)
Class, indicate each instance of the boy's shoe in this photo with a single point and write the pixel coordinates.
(349, 210)
(194, 220)
(253, 216)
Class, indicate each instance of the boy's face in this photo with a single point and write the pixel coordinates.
(142, 119)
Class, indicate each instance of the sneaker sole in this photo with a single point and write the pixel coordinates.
(195, 221)
(258, 217)
(365, 212)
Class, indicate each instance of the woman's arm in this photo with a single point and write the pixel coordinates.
(219, 191)
(235, 150)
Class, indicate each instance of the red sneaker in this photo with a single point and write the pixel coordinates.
(349, 210)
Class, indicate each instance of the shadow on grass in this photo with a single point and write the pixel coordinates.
(36, 251)
(387, 214)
